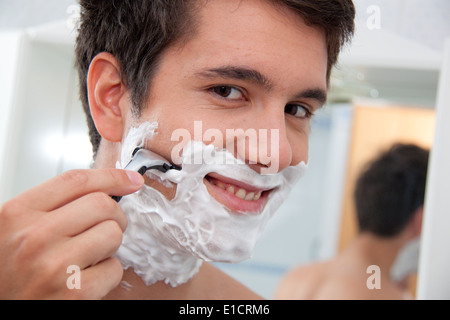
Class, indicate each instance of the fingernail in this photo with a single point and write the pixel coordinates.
(135, 178)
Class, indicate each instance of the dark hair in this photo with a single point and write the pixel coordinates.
(391, 189)
(334, 17)
(137, 32)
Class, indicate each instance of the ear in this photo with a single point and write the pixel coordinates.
(417, 221)
(105, 93)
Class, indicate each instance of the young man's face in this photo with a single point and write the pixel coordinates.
(250, 66)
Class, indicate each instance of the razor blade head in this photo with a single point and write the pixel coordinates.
(143, 160)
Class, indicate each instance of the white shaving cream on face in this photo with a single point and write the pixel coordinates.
(168, 239)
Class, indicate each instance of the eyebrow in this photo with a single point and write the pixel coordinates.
(246, 74)
(319, 95)
(239, 73)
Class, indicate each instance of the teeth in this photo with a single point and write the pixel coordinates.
(220, 185)
(240, 193)
(230, 189)
(249, 196)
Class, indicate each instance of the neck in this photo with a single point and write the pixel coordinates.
(376, 250)
(107, 155)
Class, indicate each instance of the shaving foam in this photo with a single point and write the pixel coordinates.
(167, 240)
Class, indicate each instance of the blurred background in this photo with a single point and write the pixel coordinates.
(384, 90)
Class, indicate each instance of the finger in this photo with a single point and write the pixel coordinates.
(73, 184)
(94, 245)
(84, 213)
(97, 281)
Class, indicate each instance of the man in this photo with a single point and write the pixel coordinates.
(389, 197)
(255, 65)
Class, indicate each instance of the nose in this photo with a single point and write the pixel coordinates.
(275, 150)
(272, 151)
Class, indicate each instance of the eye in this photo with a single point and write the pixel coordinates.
(228, 92)
(298, 111)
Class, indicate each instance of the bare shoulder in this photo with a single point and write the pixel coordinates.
(340, 289)
(321, 281)
(349, 284)
(341, 285)
(334, 280)
(302, 282)
(222, 286)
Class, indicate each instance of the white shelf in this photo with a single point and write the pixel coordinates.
(383, 49)
(382, 65)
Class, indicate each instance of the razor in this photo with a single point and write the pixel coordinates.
(143, 160)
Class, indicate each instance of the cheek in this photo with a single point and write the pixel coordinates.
(166, 145)
(162, 142)
(174, 133)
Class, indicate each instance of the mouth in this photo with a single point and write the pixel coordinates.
(238, 197)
